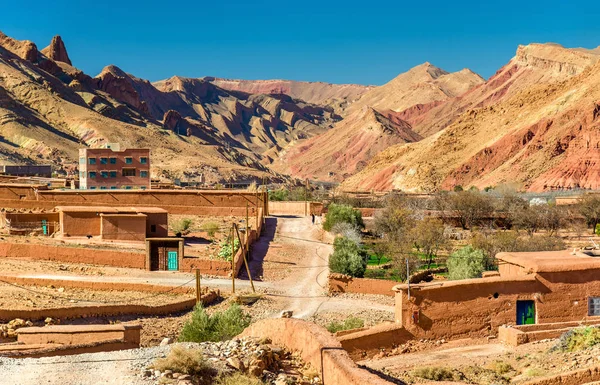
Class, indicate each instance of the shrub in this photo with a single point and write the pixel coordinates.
(186, 361)
(238, 378)
(342, 213)
(225, 252)
(211, 228)
(279, 195)
(501, 367)
(435, 373)
(578, 339)
(349, 323)
(220, 326)
(346, 230)
(182, 226)
(466, 263)
(598, 229)
(348, 258)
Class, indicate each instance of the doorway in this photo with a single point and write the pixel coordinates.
(525, 312)
(172, 264)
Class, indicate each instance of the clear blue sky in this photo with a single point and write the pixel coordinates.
(365, 42)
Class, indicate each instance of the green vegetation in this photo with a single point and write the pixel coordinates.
(377, 259)
(598, 229)
(578, 339)
(220, 326)
(348, 258)
(211, 228)
(279, 195)
(186, 361)
(501, 367)
(435, 373)
(293, 194)
(347, 324)
(342, 214)
(182, 226)
(225, 252)
(466, 263)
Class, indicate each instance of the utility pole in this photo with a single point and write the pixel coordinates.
(198, 291)
(306, 198)
(408, 277)
(244, 255)
(247, 223)
(232, 260)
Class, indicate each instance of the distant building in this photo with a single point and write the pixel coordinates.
(27, 170)
(110, 168)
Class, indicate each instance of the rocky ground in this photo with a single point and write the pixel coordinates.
(270, 363)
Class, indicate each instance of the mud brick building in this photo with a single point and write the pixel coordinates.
(111, 168)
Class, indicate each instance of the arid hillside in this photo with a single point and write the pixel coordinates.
(535, 122)
(49, 109)
(346, 148)
(339, 95)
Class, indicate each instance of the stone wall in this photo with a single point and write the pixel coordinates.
(295, 208)
(317, 346)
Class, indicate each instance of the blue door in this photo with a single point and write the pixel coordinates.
(172, 261)
(45, 227)
(525, 312)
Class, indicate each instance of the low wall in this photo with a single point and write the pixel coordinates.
(367, 343)
(316, 346)
(576, 377)
(79, 334)
(300, 208)
(52, 350)
(69, 254)
(522, 334)
(340, 283)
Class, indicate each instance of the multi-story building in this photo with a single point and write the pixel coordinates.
(110, 168)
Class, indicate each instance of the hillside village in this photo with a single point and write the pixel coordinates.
(439, 229)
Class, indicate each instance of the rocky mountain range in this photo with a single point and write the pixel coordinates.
(534, 122)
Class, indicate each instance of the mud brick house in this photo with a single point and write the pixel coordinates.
(113, 223)
(110, 168)
(530, 288)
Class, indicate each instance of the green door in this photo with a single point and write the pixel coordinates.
(525, 312)
(44, 227)
(172, 260)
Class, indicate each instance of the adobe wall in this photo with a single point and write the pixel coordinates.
(133, 259)
(192, 202)
(576, 377)
(300, 208)
(340, 283)
(79, 334)
(367, 343)
(16, 218)
(123, 227)
(317, 346)
(477, 307)
(80, 224)
(161, 223)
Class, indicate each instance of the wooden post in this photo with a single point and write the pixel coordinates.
(245, 260)
(232, 261)
(247, 223)
(198, 291)
(257, 210)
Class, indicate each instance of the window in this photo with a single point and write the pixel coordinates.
(113, 187)
(92, 160)
(113, 160)
(127, 187)
(92, 174)
(102, 187)
(143, 187)
(81, 174)
(104, 174)
(103, 160)
(113, 174)
(82, 160)
(152, 228)
(129, 160)
(129, 172)
(593, 305)
(92, 187)
(143, 160)
(144, 174)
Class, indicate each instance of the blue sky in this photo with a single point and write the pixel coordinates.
(332, 41)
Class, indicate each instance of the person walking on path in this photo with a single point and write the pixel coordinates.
(313, 218)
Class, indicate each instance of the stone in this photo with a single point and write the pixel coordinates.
(185, 377)
(255, 371)
(146, 373)
(236, 363)
(157, 373)
(287, 314)
(61, 290)
(166, 341)
(16, 323)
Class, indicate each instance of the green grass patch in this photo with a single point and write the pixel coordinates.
(349, 323)
(435, 373)
(375, 260)
(220, 326)
(578, 339)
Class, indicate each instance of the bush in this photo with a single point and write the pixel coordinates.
(225, 252)
(342, 213)
(220, 326)
(238, 378)
(183, 226)
(349, 323)
(211, 228)
(186, 361)
(346, 230)
(500, 367)
(437, 374)
(578, 339)
(466, 263)
(348, 258)
(598, 229)
(279, 195)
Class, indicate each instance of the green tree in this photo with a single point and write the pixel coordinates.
(589, 207)
(348, 258)
(466, 263)
(340, 214)
(428, 238)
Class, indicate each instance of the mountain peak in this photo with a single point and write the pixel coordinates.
(57, 50)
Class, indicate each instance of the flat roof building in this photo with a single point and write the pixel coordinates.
(27, 170)
(110, 168)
